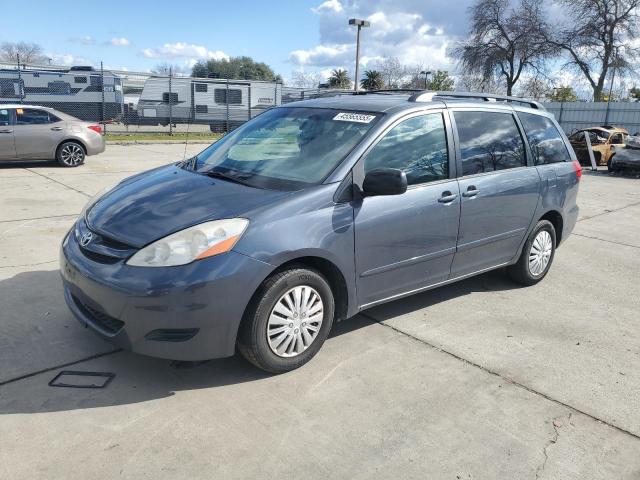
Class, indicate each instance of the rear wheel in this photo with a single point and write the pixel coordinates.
(70, 154)
(287, 321)
(537, 255)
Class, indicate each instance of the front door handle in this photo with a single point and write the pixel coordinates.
(472, 191)
(8, 130)
(56, 129)
(447, 197)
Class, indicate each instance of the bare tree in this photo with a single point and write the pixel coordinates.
(303, 79)
(393, 71)
(468, 82)
(537, 88)
(27, 52)
(166, 68)
(505, 40)
(597, 36)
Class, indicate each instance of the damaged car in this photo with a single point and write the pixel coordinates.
(604, 140)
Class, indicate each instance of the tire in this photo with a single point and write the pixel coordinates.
(70, 154)
(526, 271)
(281, 351)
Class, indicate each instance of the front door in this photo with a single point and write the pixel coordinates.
(499, 190)
(7, 147)
(37, 133)
(406, 242)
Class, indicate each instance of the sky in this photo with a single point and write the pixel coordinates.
(289, 35)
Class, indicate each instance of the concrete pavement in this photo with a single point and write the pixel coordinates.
(480, 379)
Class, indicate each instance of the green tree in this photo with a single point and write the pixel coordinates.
(634, 93)
(339, 79)
(372, 80)
(563, 94)
(243, 68)
(441, 81)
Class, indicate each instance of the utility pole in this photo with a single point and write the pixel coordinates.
(613, 76)
(359, 23)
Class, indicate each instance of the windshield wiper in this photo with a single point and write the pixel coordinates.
(241, 179)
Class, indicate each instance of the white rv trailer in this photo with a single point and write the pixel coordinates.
(76, 91)
(222, 104)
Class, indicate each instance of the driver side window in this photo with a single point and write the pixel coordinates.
(418, 146)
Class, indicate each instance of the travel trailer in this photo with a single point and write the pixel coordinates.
(76, 91)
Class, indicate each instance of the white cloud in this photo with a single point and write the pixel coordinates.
(67, 59)
(415, 31)
(120, 42)
(183, 50)
(329, 5)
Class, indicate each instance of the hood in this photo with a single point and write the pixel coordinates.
(154, 204)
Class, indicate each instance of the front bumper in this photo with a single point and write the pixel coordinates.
(191, 312)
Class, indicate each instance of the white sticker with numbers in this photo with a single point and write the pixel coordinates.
(354, 117)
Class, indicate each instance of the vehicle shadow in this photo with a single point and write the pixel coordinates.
(141, 379)
(6, 165)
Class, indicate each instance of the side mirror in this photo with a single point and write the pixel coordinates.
(385, 181)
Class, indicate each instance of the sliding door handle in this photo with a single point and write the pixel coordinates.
(7, 130)
(447, 197)
(472, 191)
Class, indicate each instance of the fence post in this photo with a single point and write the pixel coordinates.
(104, 125)
(20, 89)
(227, 102)
(170, 103)
(560, 114)
(249, 101)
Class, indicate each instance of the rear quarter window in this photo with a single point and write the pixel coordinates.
(544, 139)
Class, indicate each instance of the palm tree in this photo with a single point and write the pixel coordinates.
(339, 79)
(372, 80)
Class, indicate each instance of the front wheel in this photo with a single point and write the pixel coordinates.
(70, 154)
(287, 321)
(537, 255)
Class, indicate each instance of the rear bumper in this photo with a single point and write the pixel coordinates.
(95, 144)
(190, 312)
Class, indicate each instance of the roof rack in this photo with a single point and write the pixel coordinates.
(429, 95)
(388, 90)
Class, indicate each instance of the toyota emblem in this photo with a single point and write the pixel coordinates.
(86, 239)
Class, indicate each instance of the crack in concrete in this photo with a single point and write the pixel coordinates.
(605, 240)
(41, 218)
(502, 377)
(607, 212)
(552, 441)
(59, 183)
(28, 264)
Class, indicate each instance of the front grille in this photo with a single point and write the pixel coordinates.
(103, 321)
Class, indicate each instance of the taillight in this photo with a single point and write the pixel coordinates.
(578, 168)
(95, 128)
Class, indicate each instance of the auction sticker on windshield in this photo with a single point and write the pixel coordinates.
(354, 117)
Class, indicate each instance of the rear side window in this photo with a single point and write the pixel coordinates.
(30, 116)
(5, 117)
(544, 139)
(489, 141)
(418, 146)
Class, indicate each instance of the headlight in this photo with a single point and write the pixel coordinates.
(193, 243)
(93, 201)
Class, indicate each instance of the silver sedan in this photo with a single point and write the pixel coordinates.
(29, 132)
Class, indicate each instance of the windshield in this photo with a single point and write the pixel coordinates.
(287, 148)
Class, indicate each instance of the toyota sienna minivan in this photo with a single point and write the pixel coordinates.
(314, 211)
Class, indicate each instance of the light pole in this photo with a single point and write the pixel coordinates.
(359, 23)
(426, 74)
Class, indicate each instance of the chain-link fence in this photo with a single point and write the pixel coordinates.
(137, 102)
(141, 102)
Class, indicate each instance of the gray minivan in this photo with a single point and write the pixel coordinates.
(314, 211)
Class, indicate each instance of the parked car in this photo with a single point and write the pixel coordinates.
(626, 158)
(603, 141)
(314, 211)
(29, 132)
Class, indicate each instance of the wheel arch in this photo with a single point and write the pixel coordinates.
(555, 217)
(72, 140)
